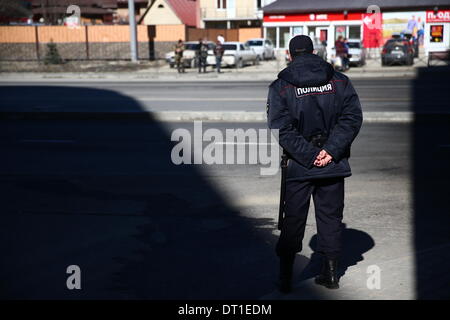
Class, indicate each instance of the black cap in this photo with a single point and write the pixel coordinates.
(300, 44)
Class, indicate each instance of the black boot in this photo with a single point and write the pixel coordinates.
(328, 276)
(286, 266)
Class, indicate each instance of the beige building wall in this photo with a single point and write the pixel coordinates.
(161, 16)
(243, 9)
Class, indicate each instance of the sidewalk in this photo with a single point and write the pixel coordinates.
(265, 71)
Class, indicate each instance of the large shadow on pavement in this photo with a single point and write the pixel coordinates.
(96, 189)
(87, 180)
(431, 178)
(99, 190)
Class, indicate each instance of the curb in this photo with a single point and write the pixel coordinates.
(186, 116)
(232, 77)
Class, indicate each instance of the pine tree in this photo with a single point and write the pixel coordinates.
(52, 56)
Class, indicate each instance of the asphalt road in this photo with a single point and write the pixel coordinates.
(383, 94)
(104, 195)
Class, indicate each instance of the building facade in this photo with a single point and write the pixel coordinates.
(232, 14)
(172, 12)
(328, 19)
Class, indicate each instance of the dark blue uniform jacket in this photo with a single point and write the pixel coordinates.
(307, 99)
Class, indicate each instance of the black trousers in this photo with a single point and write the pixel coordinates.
(201, 64)
(328, 197)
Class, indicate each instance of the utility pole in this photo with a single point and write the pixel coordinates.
(132, 23)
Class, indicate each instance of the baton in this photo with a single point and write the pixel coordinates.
(284, 160)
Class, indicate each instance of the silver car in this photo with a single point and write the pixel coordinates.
(357, 53)
(236, 54)
(263, 48)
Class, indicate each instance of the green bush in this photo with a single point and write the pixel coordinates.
(52, 56)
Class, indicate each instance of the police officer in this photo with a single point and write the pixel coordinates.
(318, 115)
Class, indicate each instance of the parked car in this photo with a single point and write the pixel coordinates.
(357, 53)
(236, 54)
(189, 54)
(397, 51)
(263, 48)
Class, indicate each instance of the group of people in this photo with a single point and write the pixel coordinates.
(342, 48)
(201, 54)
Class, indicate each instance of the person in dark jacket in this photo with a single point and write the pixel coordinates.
(218, 52)
(318, 115)
(341, 52)
(202, 54)
(179, 49)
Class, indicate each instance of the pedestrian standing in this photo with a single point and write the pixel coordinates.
(179, 49)
(202, 55)
(340, 50)
(318, 115)
(347, 55)
(218, 52)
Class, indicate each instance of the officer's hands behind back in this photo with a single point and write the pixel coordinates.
(323, 159)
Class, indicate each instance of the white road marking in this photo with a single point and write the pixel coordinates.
(46, 141)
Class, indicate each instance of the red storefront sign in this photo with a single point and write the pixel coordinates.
(440, 16)
(312, 17)
(372, 30)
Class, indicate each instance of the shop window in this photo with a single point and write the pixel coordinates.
(340, 31)
(437, 33)
(354, 32)
(284, 37)
(271, 34)
(297, 31)
(312, 32)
